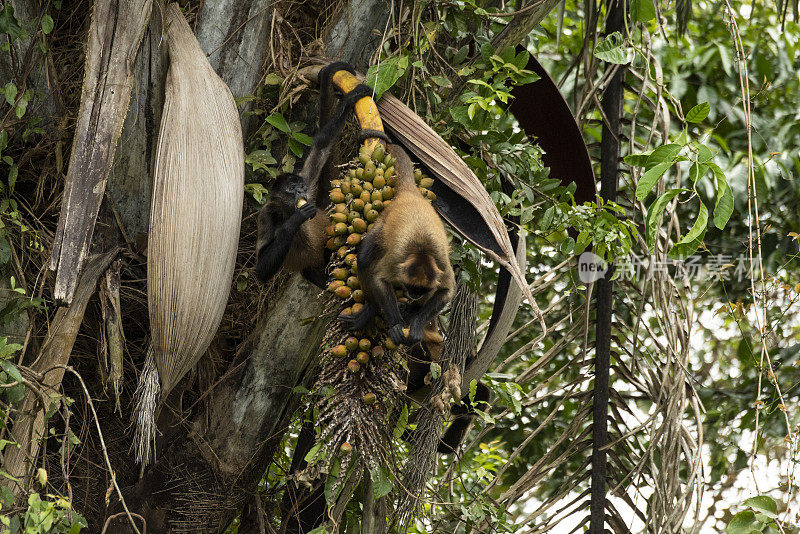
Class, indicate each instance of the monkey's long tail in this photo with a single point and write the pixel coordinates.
(146, 401)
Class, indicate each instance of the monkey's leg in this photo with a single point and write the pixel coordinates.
(302, 508)
(455, 433)
(272, 252)
(329, 134)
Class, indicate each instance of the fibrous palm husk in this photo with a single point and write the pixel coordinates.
(195, 217)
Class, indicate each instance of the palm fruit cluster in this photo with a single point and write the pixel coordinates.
(361, 367)
(357, 199)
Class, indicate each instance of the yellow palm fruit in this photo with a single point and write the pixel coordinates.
(340, 273)
(340, 351)
(342, 292)
(357, 205)
(337, 196)
(353, 366)
(353, 239)
(351, 343)
(358, 296)
(336, 284)
(362, 358)
(337, 218)
(359, 225)
(426, 182)
(370, 398)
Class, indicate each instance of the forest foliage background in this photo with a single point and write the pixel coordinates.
(706, 350)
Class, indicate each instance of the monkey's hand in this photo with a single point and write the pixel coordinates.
(396, 334)
(415, 333)
(357, 321)
(307, 211)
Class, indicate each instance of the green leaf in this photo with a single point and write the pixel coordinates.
(654, 212)
(683, 250)
(642, 10)
(723, 208)
(12, 177)
(273, 79)
(311, 456)
(441, 81)
(402, 422)
(742, 523)
(11, 370)
(381, 483)
(649, 179)
(385, 74)
(22, 104)
(698, 113)
(302, 138)
(699, 226)
(9, 23)
(697, 171)
(47, 24)
(6, 497)
(663, 154)
(295, 147)
(10, 91)
(636, 160)
(612, 49)
(260, 159)
(279, 121)
(764, 504)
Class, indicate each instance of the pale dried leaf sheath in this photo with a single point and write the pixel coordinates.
(196, 210)
(114, 36)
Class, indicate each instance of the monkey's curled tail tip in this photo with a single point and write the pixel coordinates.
(146, 398)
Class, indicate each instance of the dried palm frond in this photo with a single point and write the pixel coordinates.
(196, 210)
(476, 217)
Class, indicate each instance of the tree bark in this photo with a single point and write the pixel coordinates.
(207, 468)
(114, 36)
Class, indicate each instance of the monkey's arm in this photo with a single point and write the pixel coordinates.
(378, 291)
(426, 312)
(274, 243)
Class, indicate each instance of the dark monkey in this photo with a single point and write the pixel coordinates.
(291, 228)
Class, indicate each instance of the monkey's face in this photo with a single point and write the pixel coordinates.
(288, 189)
(419, 276)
